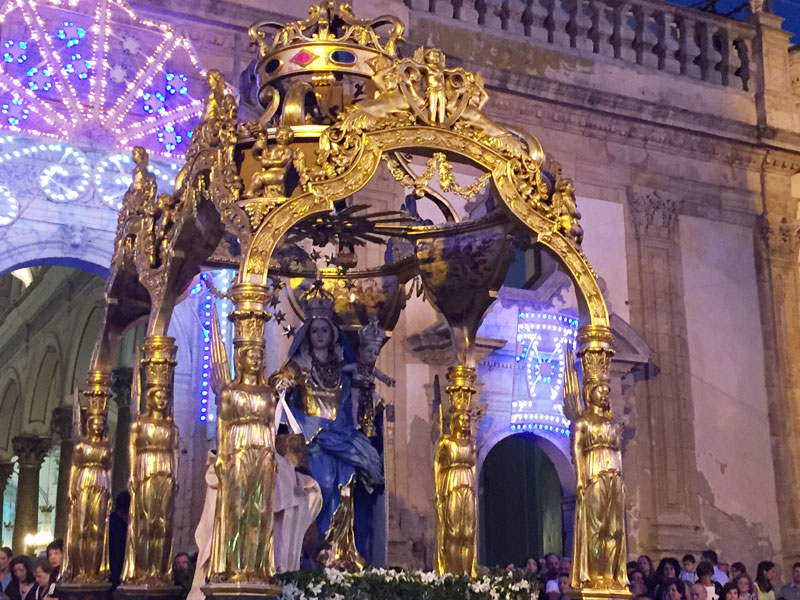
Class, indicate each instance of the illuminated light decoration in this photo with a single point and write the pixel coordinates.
(14, 111)
(9, 207)
(15, 51)
(39, 79)
(94, 66)
(114, 174)
(221, 279)
(169, 138)
(68, 174)
(71, 33)
(541, 341)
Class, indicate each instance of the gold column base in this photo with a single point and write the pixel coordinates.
(146, 592)
(235, 591)
(590, 594)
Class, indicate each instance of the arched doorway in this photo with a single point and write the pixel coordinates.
(520, 502)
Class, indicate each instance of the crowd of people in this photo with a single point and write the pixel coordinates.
(687, 579)
(31, 578)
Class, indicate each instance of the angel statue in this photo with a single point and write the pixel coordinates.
(319, 394)
(599, 542)
(241, 547)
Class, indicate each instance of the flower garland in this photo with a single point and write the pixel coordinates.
(383, 584)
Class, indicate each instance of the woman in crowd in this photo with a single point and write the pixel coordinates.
(23, 584)
(744, 583)
(646, 567)
(764, 574)
(668, 569)
(729, 592)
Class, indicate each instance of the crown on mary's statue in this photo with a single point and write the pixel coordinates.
(318, 302)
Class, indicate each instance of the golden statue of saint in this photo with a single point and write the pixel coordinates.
(454, 477)
(242, 542)
(90, 500)
(154, 467)
(599, 543)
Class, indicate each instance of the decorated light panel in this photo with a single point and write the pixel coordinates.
(537, 400)
(93, 69)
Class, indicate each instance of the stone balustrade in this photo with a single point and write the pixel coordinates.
(652, 34)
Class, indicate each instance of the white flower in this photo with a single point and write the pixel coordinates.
(429, 577)
(334, 576)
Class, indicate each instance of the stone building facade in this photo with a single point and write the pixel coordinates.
(681, 132)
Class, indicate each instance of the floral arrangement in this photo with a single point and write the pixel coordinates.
(383, 584)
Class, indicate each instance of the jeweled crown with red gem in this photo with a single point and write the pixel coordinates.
(330, 40)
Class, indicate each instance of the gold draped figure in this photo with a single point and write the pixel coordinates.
(339, 548)
(454, 478)
(154, 468)
(599, 544)
(86, 558)
(242, 542)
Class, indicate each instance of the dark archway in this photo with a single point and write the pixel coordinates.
(520, 502)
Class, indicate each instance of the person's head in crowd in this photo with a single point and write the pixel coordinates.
(636, 575)
(532, 566)
(689, 563)
(673, 589)
(796, 573)
(725, 567)
(5, 559)
(510, 567)
(737, 569)
(668, 568)
(705, 570)
(552, 562)
(41, 571)
(744, 583)
(21, 569)
(710, 557)
(181, 561)
(55, 553)
(563, 583)
(637, 588)
(729, 592)
(764, 574)
(645, 566)
(699, 591)
(566, 564)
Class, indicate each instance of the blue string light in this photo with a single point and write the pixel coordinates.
(541, 340)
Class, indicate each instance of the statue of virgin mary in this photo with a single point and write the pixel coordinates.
(318, 392)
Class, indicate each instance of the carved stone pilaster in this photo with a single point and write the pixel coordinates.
(655, 214)
(30, 451)
(666, 412)
(62, 427)
(779, 286)
(780, 236)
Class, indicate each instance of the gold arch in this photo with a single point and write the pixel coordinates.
(321, 195)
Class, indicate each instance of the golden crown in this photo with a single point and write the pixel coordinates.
(318, 302)
(330, 40)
